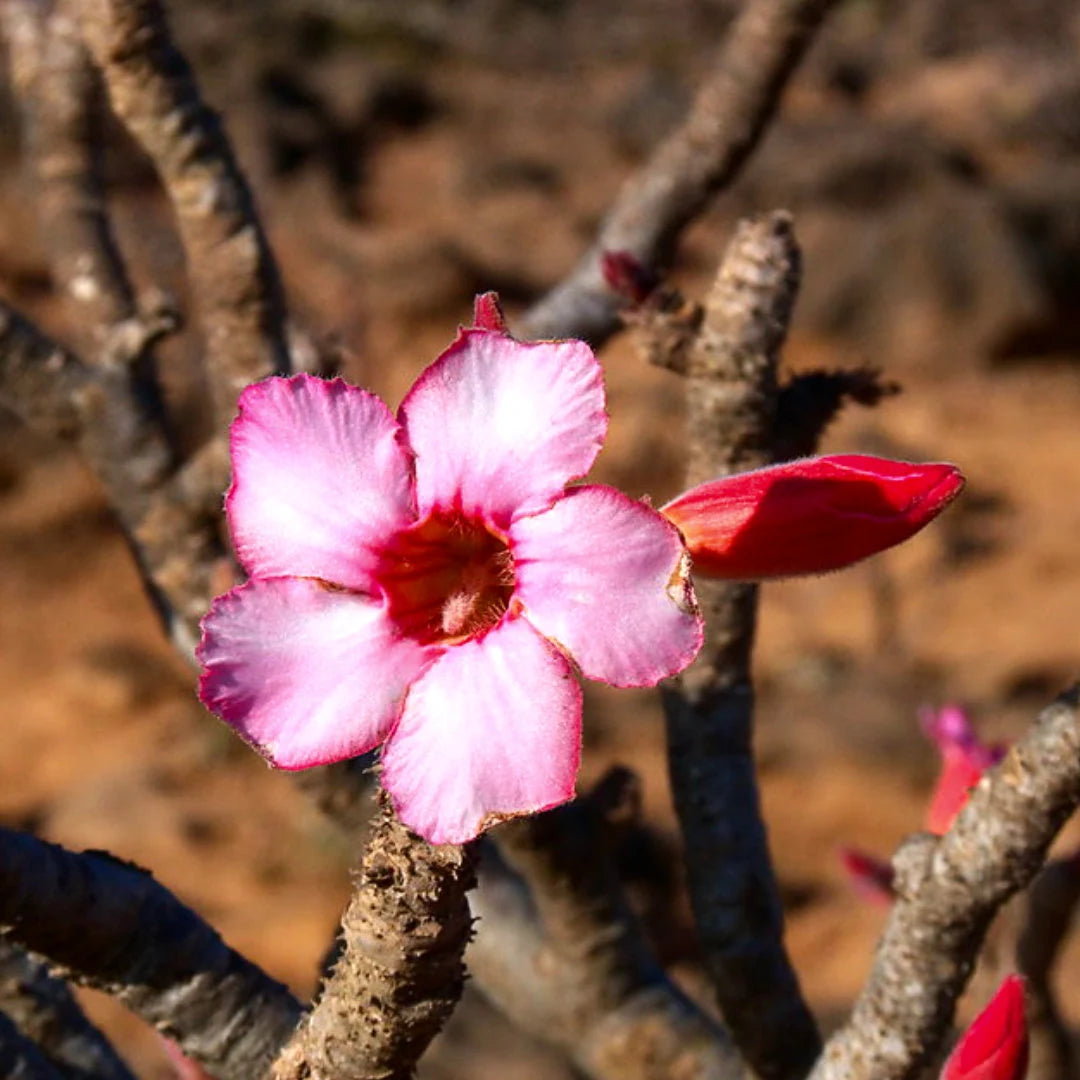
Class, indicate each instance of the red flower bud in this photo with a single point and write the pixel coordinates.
(964, 759)
(808, 516)
(627, 277)
(995, 1047)
(488, 313)
(871, 877)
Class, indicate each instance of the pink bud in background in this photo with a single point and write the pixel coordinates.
(871, 877)
(964, 759)
(995, 1046)
(627, 277)
(808, 516)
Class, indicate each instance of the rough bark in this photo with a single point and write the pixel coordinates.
(107, 924)
(948, 890)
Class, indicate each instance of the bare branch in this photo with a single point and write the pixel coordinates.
(400, 971)
(20, 1059)
(948, 890)
(560, 953)
(107, 924)
(152, 89)
(175, 543)
(44, 1010)
(732, 110)
(731, 402)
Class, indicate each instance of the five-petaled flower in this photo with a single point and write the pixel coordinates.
(436, 582)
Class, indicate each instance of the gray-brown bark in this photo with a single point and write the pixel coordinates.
(691, 166)
(731, 402)
(107, 924)
(561, 954)
(399, 971)
(45, 1012)
(948, 890)
(152, 90)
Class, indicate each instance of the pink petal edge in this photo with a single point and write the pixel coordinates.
(490, 731)
(320, 479)
(608, 579)
(500, 427)
(305, 674)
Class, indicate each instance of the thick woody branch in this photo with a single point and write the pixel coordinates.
(731, 405)
(948, 890)
(44, 1010)
(399, 972)
(561, 954)
(107, 924)
(729, 116)
(152, 89)
(20, 1059)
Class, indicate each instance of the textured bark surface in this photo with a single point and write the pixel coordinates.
(731, 389)
(732, 110)
(45, 1012)
(152, 90)
(948, 890)
(107, 924)
(399, 970)
(562, 955)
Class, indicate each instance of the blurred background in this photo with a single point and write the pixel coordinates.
(408, 156)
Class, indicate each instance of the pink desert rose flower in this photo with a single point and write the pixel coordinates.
(434, 582)
(995, 1046)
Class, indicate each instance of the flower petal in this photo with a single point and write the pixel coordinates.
(320, 479)
(995, 1046)
(308, 675)
(492, 730)
(809, 516)
(499, 426)
(607, 578)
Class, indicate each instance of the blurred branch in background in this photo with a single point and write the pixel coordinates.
(948, 889)
(45, 1012)
(560, 952)
(699, 159)
(108, 924)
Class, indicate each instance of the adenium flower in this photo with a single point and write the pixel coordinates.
(964, 759)
(435, 582)
(995, 1046)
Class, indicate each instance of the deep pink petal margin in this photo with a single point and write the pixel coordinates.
(492, 730)
(321, 479)
(306, 674)
(608, 578)
(500, 427)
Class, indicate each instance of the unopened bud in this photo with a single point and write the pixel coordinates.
(995, 1047)
(808, 516)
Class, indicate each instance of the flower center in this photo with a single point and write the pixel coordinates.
(447, 578)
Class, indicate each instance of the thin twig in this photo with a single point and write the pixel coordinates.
(948, 890)
(44, 1010)
(108, 924)
(153, 91)
(731, 401)
(399, 972)
(560, 953)
(729, 116)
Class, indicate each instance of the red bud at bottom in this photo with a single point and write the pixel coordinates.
(995, 1047)
(808, 516)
